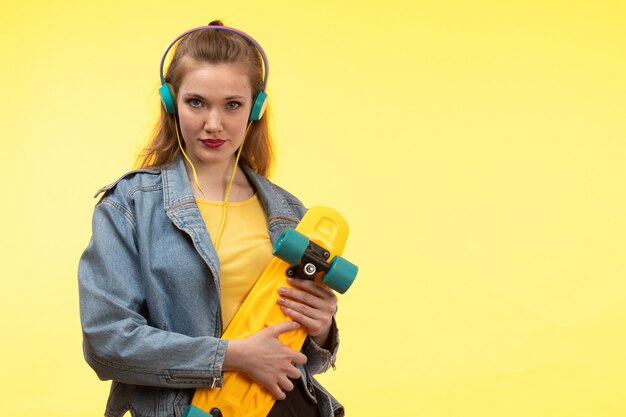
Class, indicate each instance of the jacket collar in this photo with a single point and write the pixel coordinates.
(176, 188)
(181, 208)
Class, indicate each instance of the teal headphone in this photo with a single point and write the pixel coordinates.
(258, 104)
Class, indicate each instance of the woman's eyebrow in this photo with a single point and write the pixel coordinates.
(229, 97)
(193, 95)
(235, 97)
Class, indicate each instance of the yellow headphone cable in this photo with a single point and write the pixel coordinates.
(220, 229)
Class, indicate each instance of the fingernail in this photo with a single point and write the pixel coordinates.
(282, 290)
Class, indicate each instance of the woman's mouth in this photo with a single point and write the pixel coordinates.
(212, 143)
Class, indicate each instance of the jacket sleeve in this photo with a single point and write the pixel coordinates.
(118, 341)
(319, 358)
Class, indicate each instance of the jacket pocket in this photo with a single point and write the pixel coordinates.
(114, 407)
(327, 404)
(182, 401)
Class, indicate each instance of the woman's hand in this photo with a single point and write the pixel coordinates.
(265, 359)
(310, 304)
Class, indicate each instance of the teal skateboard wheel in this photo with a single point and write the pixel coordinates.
(290, 246)
(340, 275)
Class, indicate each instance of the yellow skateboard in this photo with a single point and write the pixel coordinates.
(311, 251)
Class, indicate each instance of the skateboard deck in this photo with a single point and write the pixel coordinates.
(311, 251)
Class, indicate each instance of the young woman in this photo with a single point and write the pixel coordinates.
(178, 244)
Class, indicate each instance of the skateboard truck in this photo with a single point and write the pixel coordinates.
(307, 258)
(313, 260)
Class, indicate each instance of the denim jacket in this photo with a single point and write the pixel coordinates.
(149, 285)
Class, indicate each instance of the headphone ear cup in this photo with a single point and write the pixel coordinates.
(167, 98)
(259, 105)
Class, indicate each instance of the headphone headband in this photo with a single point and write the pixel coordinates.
(229, 29)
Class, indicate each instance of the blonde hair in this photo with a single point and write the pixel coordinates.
(214, 47)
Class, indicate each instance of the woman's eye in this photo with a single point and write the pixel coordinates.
(194, 102)
(232, 105)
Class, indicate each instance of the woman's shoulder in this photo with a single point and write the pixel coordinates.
(144, 179)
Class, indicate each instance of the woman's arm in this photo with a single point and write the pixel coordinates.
(118, 342)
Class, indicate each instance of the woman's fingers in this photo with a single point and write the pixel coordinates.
(285, 384)
(294, 373)
(312, 287)
(310, 294)
(280, 328)
(310, 304)
(265, 359)
(276, 330)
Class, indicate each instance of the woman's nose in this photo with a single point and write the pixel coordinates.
(213, 121)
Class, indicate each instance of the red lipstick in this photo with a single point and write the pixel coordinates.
(212, 143)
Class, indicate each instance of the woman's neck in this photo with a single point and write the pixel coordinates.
(214, 179)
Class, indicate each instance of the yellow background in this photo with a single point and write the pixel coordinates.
(477, 149)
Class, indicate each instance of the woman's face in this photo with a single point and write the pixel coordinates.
(213, 103)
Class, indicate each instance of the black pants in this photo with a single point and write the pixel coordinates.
(297, 403)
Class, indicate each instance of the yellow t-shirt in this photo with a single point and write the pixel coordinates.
(244, 251)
